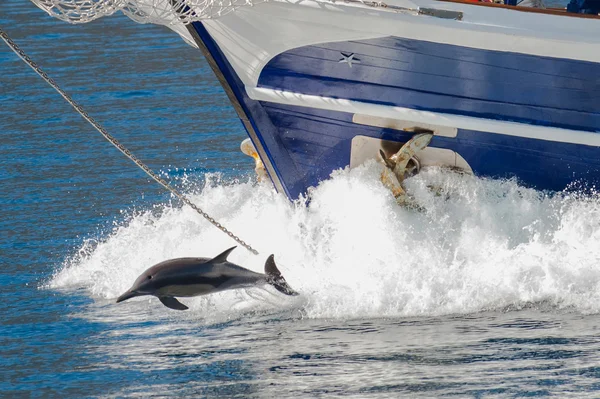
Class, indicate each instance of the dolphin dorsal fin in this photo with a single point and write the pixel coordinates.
(222, 257)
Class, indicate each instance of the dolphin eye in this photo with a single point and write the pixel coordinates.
(149, 277)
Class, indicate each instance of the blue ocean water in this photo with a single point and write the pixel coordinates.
(493, 292)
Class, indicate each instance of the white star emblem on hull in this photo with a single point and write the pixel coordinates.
(349, 59)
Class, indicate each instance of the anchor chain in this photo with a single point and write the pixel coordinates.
(13, 46)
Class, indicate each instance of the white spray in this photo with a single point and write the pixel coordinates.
(352, 252)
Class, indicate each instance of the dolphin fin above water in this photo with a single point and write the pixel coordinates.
(275, 278)
(222, 257)
(172, 303)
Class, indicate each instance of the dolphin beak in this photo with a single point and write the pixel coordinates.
(127, 295)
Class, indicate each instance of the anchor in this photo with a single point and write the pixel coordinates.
(248, 148)
(397, 166)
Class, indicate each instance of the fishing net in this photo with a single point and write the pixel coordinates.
(163, 12)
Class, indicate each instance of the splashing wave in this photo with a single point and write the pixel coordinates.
(352, 252)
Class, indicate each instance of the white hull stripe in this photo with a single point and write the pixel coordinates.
(426, 117)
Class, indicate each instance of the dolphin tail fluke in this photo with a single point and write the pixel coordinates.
(172, 303)
(275, 278)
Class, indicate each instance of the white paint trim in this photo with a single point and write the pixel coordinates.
(397, 124)
(252, 36)
(427, 117)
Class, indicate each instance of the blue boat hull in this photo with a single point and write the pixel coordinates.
(445, 78)
(304, 144)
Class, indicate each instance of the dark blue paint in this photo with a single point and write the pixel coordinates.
(544, 164)
(584, 7)
(305, 145)
(291, 178)
(445, 78)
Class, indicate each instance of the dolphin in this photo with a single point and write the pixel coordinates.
(188, 277)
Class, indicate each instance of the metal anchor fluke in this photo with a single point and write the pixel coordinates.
(397, 166)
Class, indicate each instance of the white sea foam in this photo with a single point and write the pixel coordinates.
(352, 252)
